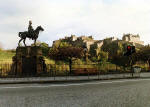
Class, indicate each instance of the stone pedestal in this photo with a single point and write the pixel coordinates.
(28, 61)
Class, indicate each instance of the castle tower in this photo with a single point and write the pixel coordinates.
(132, 38)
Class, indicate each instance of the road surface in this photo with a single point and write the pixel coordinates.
(108, 93)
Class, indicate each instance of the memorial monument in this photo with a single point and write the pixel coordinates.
(29, 60)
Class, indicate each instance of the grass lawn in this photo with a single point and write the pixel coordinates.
(6, 56)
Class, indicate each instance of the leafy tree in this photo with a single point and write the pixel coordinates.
(37, 43)
(68, 54)
(115, 47)
(112, 48)
(45, 48)
(94, 59)
(120, 60)
(64, 44)
(124, 61)
(103, 56)
(143, 55)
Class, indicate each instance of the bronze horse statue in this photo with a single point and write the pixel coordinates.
(24, 35)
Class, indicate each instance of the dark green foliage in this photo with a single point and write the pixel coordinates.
(64, 44)
(118, 57)
(121, 60)
(115, 47)
(103, 56)
(94, 59)
(92, 51)
(143, 54)
(112, 48)
(66, 54)
(45, 48)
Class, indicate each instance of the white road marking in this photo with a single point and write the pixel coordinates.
(74, 84)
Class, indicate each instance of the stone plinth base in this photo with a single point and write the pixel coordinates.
(28, 61)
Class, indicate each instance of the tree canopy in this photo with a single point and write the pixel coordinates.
(65, 53)
(45, 48)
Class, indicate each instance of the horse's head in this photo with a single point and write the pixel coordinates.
(40, 28)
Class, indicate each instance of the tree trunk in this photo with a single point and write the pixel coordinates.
(148, 65)
(116, 68)
(124, 69)
(70, 66)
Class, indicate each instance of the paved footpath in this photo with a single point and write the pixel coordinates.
(71, 78)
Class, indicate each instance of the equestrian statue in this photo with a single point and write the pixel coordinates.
(31, 33)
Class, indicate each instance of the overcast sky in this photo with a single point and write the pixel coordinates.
(59, 18)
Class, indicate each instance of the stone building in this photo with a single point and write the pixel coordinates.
(94, 46)
(73, 38)
(132, 38)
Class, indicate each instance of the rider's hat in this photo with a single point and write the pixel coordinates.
(30, 22)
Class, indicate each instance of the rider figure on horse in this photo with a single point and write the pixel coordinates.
(31, 30)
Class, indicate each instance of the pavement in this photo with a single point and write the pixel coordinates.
(105, 93)
(72, 78)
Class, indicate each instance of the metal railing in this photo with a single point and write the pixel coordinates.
(54, 70)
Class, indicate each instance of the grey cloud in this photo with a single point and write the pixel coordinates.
(65, 17)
